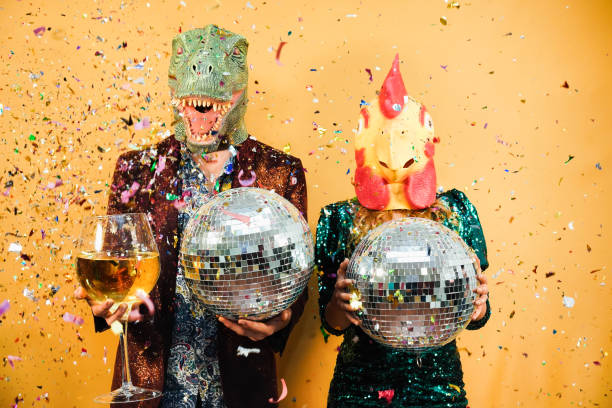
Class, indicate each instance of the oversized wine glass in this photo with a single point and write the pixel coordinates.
(118, 259)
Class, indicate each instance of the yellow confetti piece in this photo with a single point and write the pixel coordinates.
(454, 387)
(287, 148)
(443, 20)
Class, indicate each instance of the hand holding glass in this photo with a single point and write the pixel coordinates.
(118, 260)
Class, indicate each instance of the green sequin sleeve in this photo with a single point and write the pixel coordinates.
(330, 250)
(470, 230)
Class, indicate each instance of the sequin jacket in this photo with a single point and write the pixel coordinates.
(247, 382)
(368, 374)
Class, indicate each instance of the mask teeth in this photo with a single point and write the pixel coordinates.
(217, 106)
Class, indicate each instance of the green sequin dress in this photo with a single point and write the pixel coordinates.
(365, 370)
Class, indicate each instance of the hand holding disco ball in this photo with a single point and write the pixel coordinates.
(414, 282)
(247, 254)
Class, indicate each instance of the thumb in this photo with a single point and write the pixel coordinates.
(285, 315)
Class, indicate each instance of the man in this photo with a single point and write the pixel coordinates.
(194, 356)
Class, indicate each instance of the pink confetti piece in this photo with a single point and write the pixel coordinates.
(242, 218)
(6, 192)
(386, 394)
(4, 307)
(143, 124)
(246, 182)
(39, 31)
(126, 195)
(12, 359)
(369, 71)
(179, 204)
(161, 165)
(283, 394)
(52, 184)
(70, 318)
(278, 52)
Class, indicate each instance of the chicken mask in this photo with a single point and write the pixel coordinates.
(394, 150)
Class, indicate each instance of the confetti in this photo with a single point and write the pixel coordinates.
(126, 195)
(278, 52)
(242, 218)
(369, 72)
(246, 182)
(12, 359)
(454, 387)
(15, 247)
(70, 318)
(387, 395)
(443, 20)
(568, 301)
(39, 31)
(283, 394)
(569, 159)
(144, 124)
(4, 307)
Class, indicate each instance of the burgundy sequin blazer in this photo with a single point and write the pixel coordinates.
(247, 381)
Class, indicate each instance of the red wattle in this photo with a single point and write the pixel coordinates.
(420, 188)
(360, 157)
(392, 92)
(372, 191)
(430, 150)
(366, 117)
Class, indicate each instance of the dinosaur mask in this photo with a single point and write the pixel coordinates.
(208, 85)
(394, 150)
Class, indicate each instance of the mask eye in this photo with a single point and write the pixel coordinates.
(408, 163)
(179, 51)
(428, 122)
(383, 164)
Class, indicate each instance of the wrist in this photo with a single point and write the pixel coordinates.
(335, 318)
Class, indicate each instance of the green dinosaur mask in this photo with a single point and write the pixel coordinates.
(208, 84)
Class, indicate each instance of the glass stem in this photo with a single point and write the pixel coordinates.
(126, 379)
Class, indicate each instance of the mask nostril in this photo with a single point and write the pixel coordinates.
(209, 69)
(194, 68)
(408, 163)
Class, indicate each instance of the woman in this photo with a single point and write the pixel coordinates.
(395, 178)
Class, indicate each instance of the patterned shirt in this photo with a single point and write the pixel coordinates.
(193, 378)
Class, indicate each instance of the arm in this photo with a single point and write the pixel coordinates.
(471, 232)
(330, 252)
(296, 193)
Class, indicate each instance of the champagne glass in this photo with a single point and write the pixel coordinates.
(118, 260)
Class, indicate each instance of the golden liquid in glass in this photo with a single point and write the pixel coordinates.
(118, 278)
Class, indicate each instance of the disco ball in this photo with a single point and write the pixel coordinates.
(247, 253)
(413, 284)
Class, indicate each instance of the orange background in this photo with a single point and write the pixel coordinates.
(492, 79)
